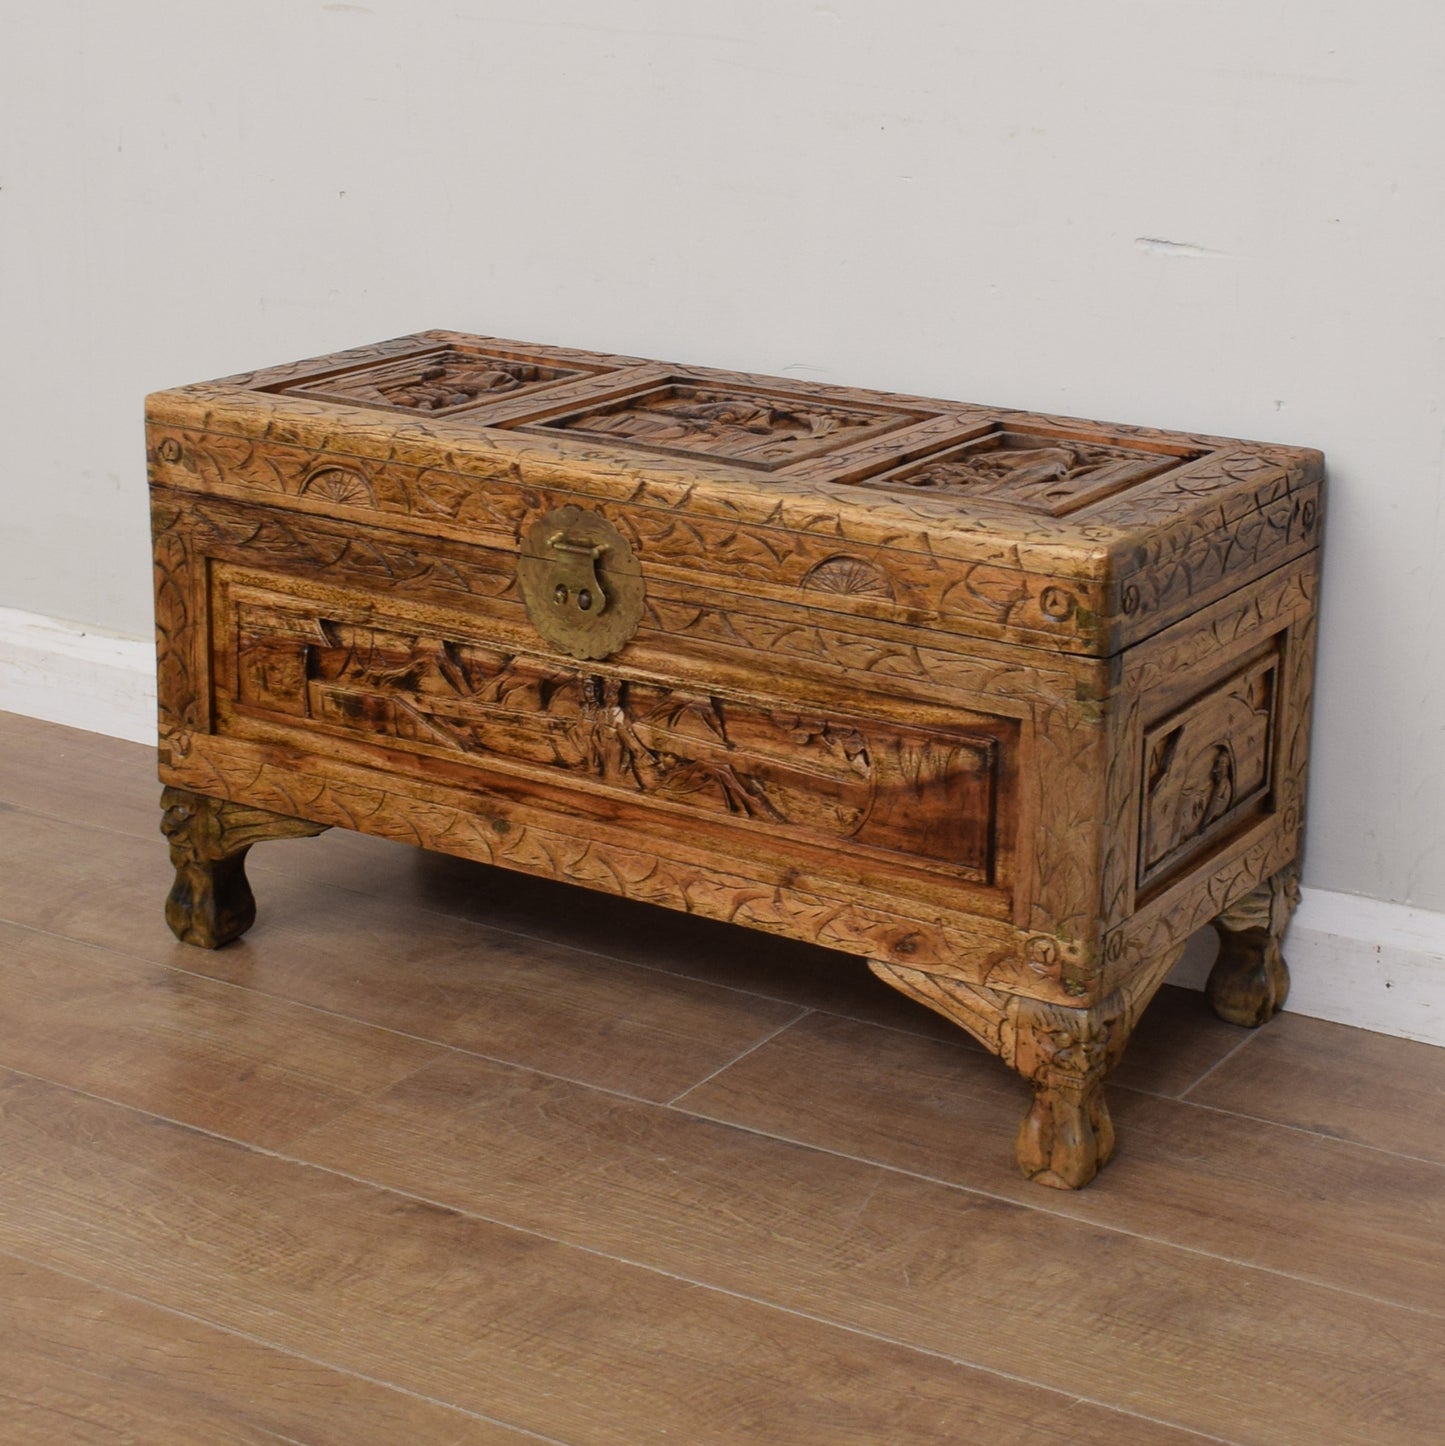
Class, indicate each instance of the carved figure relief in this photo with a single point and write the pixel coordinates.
(760, 428)
(925, 791)
(1205, 766)
(437, 382)
(1049, 474)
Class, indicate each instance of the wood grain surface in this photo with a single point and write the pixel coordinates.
(241, 1204)
(1007, 704)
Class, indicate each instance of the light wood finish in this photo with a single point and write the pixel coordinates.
(1007, 704)
(558, 1009)
(87, 1366)
(1387, 1092)
(1220, 1183)
(823, 1239)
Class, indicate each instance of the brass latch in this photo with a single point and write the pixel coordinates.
(581, 583)
(577, 585)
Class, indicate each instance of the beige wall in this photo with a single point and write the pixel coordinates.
(1225, 216)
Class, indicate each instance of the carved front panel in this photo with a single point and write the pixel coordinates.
(1042, 471)
(757, 427)
(930, 793)
(1207, 768)
(439, 381)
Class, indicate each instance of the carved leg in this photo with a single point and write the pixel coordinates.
(1064, 1053)
(211, 902)
(1250, 980)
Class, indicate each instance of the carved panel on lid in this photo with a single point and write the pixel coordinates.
(438, 382)
(757, 427)
(1041, 471)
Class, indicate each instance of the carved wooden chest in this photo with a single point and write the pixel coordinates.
(1009, 704)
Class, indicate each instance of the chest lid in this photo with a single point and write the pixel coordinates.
(1054, 532)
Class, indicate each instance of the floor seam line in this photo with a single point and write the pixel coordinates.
(751, 1049)
(1218, 1064)
(978, 1191)
(273, 1345)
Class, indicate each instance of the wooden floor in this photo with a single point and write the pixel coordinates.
(441, 1155)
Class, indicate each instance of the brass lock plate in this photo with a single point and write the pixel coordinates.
(581, 583)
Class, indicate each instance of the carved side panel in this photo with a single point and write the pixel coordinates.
(1240, 853)
(1207, 769)
(919, 792)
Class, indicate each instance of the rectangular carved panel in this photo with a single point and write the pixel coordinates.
(756, 426)
(1042, 471)
(1208, 768)
(930, 793)
(439, 381)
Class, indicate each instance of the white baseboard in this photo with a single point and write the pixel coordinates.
(81, 676)
(1359, 961)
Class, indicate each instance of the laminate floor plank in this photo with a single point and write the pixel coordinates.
(86, 1366)
(220, 1057)
(1179, 1039)
(702, 949)
(85, 777)
(1132, 1322)
(1325, 1210)
(825, 1240)
(1353, 1084)
(503, 1323)
(382, 963)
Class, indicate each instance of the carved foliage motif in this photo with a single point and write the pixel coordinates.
(322, 548)
(757, 427)
(992, 596)
(1179, 570)
(1067, 759)
(178, 638)
(911, 790)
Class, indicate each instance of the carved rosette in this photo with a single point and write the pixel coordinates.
(849, 577)
(343, 485)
